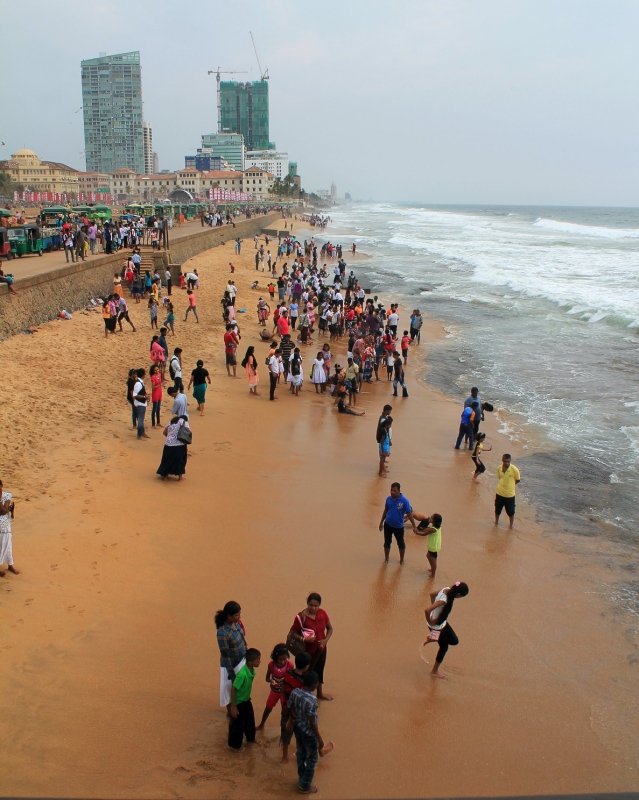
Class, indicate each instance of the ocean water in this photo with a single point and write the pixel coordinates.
(541, 306)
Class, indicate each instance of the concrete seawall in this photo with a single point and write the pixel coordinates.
(41, 297)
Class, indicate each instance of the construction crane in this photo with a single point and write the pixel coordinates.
(217, 74)
(263, 75)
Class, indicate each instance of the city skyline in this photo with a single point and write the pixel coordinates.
(528, 103)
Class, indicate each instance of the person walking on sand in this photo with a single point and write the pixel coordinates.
(437, 613)
(198, 380)
(304, 722)
(249, 363)
(156, 395)
(140, 402)
(431, 527)
(398, 376)
(231, 639)
(312, 630)
(231, 341)
(480, 467)
(175, 369)
(192, 305)
(392, 522)
(7, 508)
(508, 477)
(384, 445)
(175, 453)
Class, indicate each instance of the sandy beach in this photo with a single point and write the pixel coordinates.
(107, 649)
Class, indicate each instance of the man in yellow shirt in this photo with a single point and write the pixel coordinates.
(507, 479)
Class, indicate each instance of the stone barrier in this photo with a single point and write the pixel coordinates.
(40, 298)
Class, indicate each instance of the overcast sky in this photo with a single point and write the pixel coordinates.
(438, 101)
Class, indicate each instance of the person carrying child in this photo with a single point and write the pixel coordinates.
(277, 668)
(242, 721)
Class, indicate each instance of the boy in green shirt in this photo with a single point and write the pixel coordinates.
(431, 527)
(242, 722)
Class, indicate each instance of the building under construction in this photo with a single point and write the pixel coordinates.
(244, 109)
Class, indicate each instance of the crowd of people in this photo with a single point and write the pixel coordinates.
(326, 315)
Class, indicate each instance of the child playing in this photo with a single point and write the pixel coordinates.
(242, 722)
(390, 363)
(153, 311)
(303, 721)
(278, 666)
(384, 441)
(293, 679)
(405, 346)
(431, 527)
(170, 318)
(480, 467)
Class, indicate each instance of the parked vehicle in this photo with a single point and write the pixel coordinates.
(25, 239)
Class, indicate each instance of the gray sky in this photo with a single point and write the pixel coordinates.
(438, 101)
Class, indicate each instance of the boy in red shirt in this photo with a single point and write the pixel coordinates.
(405, 346)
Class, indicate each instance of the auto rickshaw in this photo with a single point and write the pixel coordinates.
(5, 244)
(25, 239)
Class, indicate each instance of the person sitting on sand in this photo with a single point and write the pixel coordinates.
(344, 409)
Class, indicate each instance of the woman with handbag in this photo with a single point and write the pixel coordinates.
(310, 633)
(178, 435)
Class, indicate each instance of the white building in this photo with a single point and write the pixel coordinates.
(156, 164)
(268, 160)
(148, 148)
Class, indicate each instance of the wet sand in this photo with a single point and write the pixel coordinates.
(108, 652)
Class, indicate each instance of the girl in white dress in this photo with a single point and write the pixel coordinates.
(319, 375)
(295, 372)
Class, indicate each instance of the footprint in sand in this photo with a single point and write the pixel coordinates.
(81, 611)
(94, 563)
(114, 545)
(54, 566)
(182, 769)
(98, 530)
(86, 502)
(70, 608)
(29, 601)
(85, 510)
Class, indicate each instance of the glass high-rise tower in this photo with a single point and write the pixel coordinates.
(244, 109)
(112, 109)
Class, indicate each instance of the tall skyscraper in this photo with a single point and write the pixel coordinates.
(112, 109)
(244, 109)
(148, 148)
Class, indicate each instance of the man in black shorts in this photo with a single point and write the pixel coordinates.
(392, 521)
(508, 477)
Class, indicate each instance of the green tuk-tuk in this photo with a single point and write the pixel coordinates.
(25, 239)
(103, 213)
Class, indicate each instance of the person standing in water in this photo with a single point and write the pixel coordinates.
(437, 615)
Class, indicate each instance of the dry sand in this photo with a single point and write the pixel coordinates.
(108, 656)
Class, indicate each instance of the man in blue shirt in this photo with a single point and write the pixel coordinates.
(392, 522)
(479, 414)
(466, 425)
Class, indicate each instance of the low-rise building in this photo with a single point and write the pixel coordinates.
(94, 182)
(26, 168)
